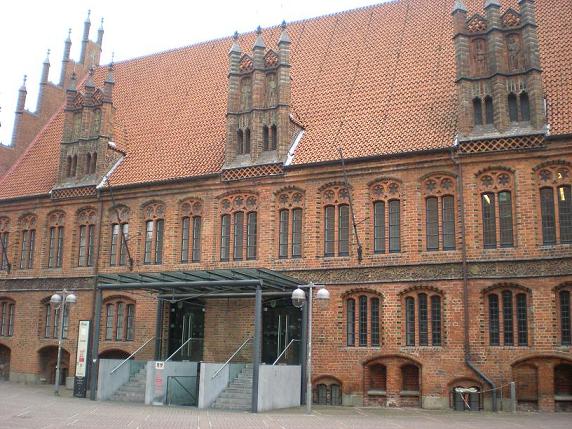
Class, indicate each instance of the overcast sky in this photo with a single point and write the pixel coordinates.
(132, 28)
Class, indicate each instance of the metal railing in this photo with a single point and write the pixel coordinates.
(284, 351)
(182, 345)
(231, 357)
(130, 356)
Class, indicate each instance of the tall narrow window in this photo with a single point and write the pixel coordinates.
(48, 320)
(448, 222)
(130, 322)
(343, 230)
(297, 233)
(124, 236)
(251, 231)
(93, 163)
(241, 210)
(432, 224)
(149, 226)
(375, 322)
(548, 217)
(74, 166)
(265, 138)
(87, 163)
(507, 310)
(283, 233)
(290, 204)
(363, 321)
(512, 108)
(154, 233)
(410, 321)
(115, 230)
(524, 107)
(56, 245)
(522, 319)
(240, 142)
(350, 321)
(160, 225)
(68, 166)
(274, 139)
(196, 250)
(86, 245)
(436, 320)
(247, 140)
(489, 220)
(11, 311)
(7, 309)
(505, 219)
(238, 235)
(489, 111)
(477, 112)
(329, 230)
(66, 322)
(28, 242)
(191, 224)
(120, 321)
(109, 317)
(4, 242)
(394, 225)
(494, 330)
(565, 213)
(379, 227)
(225, 237)
(185, 234)
(423, 326)
(565, 325)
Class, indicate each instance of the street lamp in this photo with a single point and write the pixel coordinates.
(298, 299)
(60, 302)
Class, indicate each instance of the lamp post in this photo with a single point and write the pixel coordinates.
(298, 299)
(60, 301)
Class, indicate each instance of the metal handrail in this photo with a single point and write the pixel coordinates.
(230, 358)
(130, 356)
(182, 345)
(284, 351)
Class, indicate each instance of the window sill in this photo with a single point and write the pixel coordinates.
(357, 347)
(410, 393)
(567, 398)
(503, 347)
(376, 392)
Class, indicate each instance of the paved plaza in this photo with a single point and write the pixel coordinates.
(35, 407)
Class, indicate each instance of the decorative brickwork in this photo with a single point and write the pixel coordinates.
(252, 172)
(502, 144)
(74, 193)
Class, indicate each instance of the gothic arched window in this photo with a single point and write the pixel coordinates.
(439, 192)
(4, 241)
(290, 204)
(507, 314)
(191, 223)
(119, 235)
(154, 233)
(385, 196)
(274, 137)
(28, 241)
(556, 213)
(335, 200)
(512, 108)
(266, 137)
(86, 219)
(423, 317)
(524, 107)
(489, 110)
(56, 239)
(477, 111)
(497, 208)
(240, 142)
(239, 215)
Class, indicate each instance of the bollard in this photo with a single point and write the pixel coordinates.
(513, 396)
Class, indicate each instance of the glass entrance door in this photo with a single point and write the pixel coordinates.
(186, 324)
(282, 323)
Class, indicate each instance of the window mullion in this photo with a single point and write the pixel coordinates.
(556, 214)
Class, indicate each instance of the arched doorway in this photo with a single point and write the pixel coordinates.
(563, 387)
(526, 378)
(114, 354)
(4, 362)
(48, 357)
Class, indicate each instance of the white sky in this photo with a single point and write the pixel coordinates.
(132, 28)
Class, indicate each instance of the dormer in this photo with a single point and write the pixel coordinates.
(499, 84)
(258, 109)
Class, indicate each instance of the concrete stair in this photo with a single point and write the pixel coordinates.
(134, 389)
(238, 394)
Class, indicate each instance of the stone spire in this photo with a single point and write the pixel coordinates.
(284, 37)
(66, 58)
(85, 39)
(45, 69)
(259, 42)
(22, 93)
(100, 34)
(459, 6)
(495, 3)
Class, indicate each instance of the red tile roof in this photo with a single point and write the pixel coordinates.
(386, 71)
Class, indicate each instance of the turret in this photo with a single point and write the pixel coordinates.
(66, 58)
(85, 39)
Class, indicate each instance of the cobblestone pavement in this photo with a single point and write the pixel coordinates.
(36, 407)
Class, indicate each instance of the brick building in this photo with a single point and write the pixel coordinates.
(456, 134)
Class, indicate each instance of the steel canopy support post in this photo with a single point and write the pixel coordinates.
(159, 329)
(303, 352)
(257, 346)
(95, 346)
(309, 355)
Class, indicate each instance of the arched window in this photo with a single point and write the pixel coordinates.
(378, 377)
(524, 107)
(96, 122)
(508, 317)
(497, 207)
(247, 140)
(76, 125)
(565, 319)
(119, 319)
(74, 166)
(86, 220)
(154, 233)
(489, 110)
(119, 235)
(477, 112)
(69, 166)
(556, 213)
(439, 194)
(274, 138)
(4, 242)
(52, 320)
(240, 142)
(27, 241)
(265, 138)
(239, 215)
(93, 164)
(191, 224)
(290, 204)
(336, 221)
(367, 319)
(512, 108)
(87, 163)
(56, 239)
(410, 379)
(423, 318)
(7, 314)
(385, 196)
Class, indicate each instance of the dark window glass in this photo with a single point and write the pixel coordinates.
(329, 230)
(297, 233)
(565, 213)
(505, 219)
(521, 319)
(507, 318)
(11, 309)
(265, 138)
(238, 235)
(477, 111)
(283, 234)
(93, 163)
(410, 321)
(374, 322)
(130, 322)
(48, 324)
(68, 166)
(160, 225)
(3, 251)
(251, 236)
(379, 227)
(60, 247)
(436, 320)
(524, 107)
(51, 253)
(394, 221)
(74, 166)
(423, 325)
(148, 241)
(197, 224)
(82, 259)
(512, 108)
(489, 111)
(274, 141)
(113, 250)
(225, 237)
(494, 331)
(565, 327)
(24, 249)
(123, 237)
(548, 218)
(120, 321)
(410, 378)
(88, 163)
(4, 319)
(247, 141)
(185, 237)
(343, 230)
(56, 316)
(109, 316)
(448, 223)
(32, 246)
(489, 221)
(66, 322)
(363, 320)
(90, 244)
(351, 312)
(432, 223)
(240, 142)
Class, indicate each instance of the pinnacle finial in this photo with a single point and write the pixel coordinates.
(259, 43)
(283, 25)
(24, 82)
(284, 38)
(101, 24)
(459, 6)
(88, 15)
(69, 35)
(489, 3)
(235, 46)
(259, 30)
(47, 60)
(235, 36)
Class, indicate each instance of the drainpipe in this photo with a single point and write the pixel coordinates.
(466, 341)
